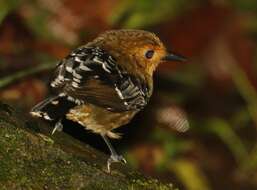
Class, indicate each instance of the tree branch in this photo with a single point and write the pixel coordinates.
(30, 159)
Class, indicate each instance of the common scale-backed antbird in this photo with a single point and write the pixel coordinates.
(103, 84)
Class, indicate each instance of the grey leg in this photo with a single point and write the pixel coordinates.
(58, 127)
(114, 156)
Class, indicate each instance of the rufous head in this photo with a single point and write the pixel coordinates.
(141, 47)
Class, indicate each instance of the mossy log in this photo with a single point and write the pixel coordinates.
(30, 158)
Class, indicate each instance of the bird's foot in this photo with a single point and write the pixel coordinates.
(58, 127)
(115, 158)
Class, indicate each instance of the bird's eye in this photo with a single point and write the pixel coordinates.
(149, 54)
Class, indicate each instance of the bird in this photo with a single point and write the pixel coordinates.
(103, 84)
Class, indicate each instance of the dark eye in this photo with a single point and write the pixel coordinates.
(149, 54)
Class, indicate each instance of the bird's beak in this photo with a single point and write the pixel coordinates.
(173, 57)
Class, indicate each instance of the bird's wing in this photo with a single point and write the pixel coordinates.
(91, 75)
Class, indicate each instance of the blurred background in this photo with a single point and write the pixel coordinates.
(216, 90)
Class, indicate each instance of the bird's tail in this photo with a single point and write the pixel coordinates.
(53, 108)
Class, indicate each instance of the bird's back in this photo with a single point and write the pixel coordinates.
(90, 75)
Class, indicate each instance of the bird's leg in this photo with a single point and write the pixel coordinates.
(114, 156)
(58, 126)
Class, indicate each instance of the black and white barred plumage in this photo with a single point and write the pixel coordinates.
(103, 84)
(91, 75)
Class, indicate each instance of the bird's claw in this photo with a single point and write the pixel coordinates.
(115, 158)
(58, 127)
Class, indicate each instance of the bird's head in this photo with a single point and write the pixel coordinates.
(144, 49)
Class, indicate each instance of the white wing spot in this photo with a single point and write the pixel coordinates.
(55, 102)
(62, 95)
(70, 98)
(78, 60)
(69, 69)
(76, 75)
(36, 114)
(75, 84)
(119, 93)
(104, 66)
(84, 68)
(53, 84)
(76, 80)
(46, 116)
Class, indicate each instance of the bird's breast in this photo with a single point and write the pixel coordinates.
(98, 119)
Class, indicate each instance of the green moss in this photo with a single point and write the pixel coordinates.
(30, 159)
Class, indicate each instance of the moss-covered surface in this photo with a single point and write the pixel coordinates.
(32, 159)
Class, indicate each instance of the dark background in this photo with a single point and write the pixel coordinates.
(215, 88)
